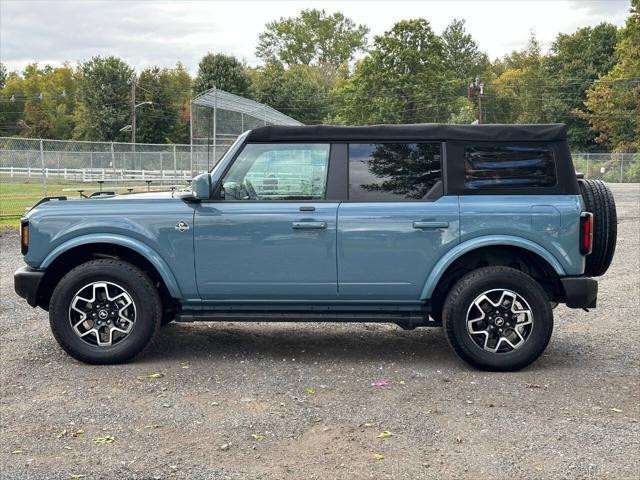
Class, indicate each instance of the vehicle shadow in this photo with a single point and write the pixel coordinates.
(304, 342)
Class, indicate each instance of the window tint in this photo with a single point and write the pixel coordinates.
(496, 166)
(278, 172)
(393, 171)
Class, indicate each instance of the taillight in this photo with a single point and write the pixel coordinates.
(586, 233)
(24, 235)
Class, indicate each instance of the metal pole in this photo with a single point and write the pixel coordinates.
(113, 160)
(191, 135)
(621, 165)
(215, 126)
(588, 161)
(44, 180)
(175, 163)
(133, 108)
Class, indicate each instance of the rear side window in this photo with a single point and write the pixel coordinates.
(496, 166)
(393, 171)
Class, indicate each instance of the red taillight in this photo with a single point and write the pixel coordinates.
(586, 233)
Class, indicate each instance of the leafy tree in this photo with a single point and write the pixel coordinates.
(12, 102)
(103, 99)
(3, 75)
(613, 102)
(224, 72)
(404, 79)
(575, 61)
(517, 94)
(298, 91)
(462, 54)
(312, 38)
(167, 89)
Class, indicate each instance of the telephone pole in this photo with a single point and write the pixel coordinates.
(476, 89)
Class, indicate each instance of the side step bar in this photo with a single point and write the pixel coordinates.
(406, 320)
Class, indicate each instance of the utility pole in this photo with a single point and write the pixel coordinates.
(476, 89)
(133, 108)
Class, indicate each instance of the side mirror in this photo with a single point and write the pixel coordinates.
(201, 186)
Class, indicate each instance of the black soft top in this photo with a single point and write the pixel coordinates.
(417, 132)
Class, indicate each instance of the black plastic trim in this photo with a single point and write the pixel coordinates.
(26, 282)
(580, 292)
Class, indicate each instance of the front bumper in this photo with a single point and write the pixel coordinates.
(580, 292)
(26, 282)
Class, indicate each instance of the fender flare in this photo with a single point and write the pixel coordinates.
(139, 247)
(486, 241)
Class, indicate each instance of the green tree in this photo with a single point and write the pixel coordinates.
(299, 91)
(12, 102)
(462, 54)
(574, 62)
(517, 94)
(104, 93)
(404, 79)
(167, 89)
(224, 72)
(3, 75)
(613, 102)
(312, 38)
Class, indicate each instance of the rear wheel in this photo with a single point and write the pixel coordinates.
(498, 318)
(104, 311)
(599, 201)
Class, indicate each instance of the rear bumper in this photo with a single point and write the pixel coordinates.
(26, 282)
(580, 292)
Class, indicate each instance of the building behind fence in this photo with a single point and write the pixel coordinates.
(53, 167)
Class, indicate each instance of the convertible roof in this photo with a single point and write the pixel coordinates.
(416, 132)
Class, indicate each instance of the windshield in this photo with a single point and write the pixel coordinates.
(231, 151)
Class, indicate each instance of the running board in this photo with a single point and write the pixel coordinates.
(406, 320)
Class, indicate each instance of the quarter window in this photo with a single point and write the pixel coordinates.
(504, 166)
(393, 171)
(278, 172)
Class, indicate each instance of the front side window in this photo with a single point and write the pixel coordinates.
(278, 172)
(393, 171)
(504, 166)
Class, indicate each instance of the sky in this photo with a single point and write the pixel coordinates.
(146, 33)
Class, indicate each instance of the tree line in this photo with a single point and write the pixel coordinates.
(321, 68)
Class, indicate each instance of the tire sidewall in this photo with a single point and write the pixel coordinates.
(144, 298)
(535, 343)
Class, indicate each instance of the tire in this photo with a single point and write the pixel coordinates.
(599, 201)
(137, 311)
(459, 307)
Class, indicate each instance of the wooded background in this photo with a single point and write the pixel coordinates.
(322, 68)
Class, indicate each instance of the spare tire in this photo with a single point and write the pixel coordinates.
(599, 201)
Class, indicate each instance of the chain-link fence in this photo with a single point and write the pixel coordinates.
(33, 168)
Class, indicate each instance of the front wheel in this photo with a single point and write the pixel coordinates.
(104, 311)
(498, 318)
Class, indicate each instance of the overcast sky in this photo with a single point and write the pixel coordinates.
(161, 33)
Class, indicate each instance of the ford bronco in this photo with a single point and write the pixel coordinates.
(480, 229)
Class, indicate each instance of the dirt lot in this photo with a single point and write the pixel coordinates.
(244, 401)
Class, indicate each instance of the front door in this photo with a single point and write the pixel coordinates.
(271, 235)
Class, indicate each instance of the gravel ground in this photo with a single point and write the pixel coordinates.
(289, 401)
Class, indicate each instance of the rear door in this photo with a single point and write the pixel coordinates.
(396, 223)
(272, 233)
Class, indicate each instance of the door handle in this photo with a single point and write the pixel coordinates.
(309, 225)
(430, 225)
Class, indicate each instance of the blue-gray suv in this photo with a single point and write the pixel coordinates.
(481, 229)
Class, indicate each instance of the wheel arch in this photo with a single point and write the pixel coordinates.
(81, 249)
(506, 251)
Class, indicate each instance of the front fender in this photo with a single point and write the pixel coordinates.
(486, 241)
(135, 245)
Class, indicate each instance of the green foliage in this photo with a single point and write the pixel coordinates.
(312, 38)
(103, 99)
(575, 61)
(3, 75)
(462, 54)
(613, 103)
(224, 72)
(163, 121)
(299, 91)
